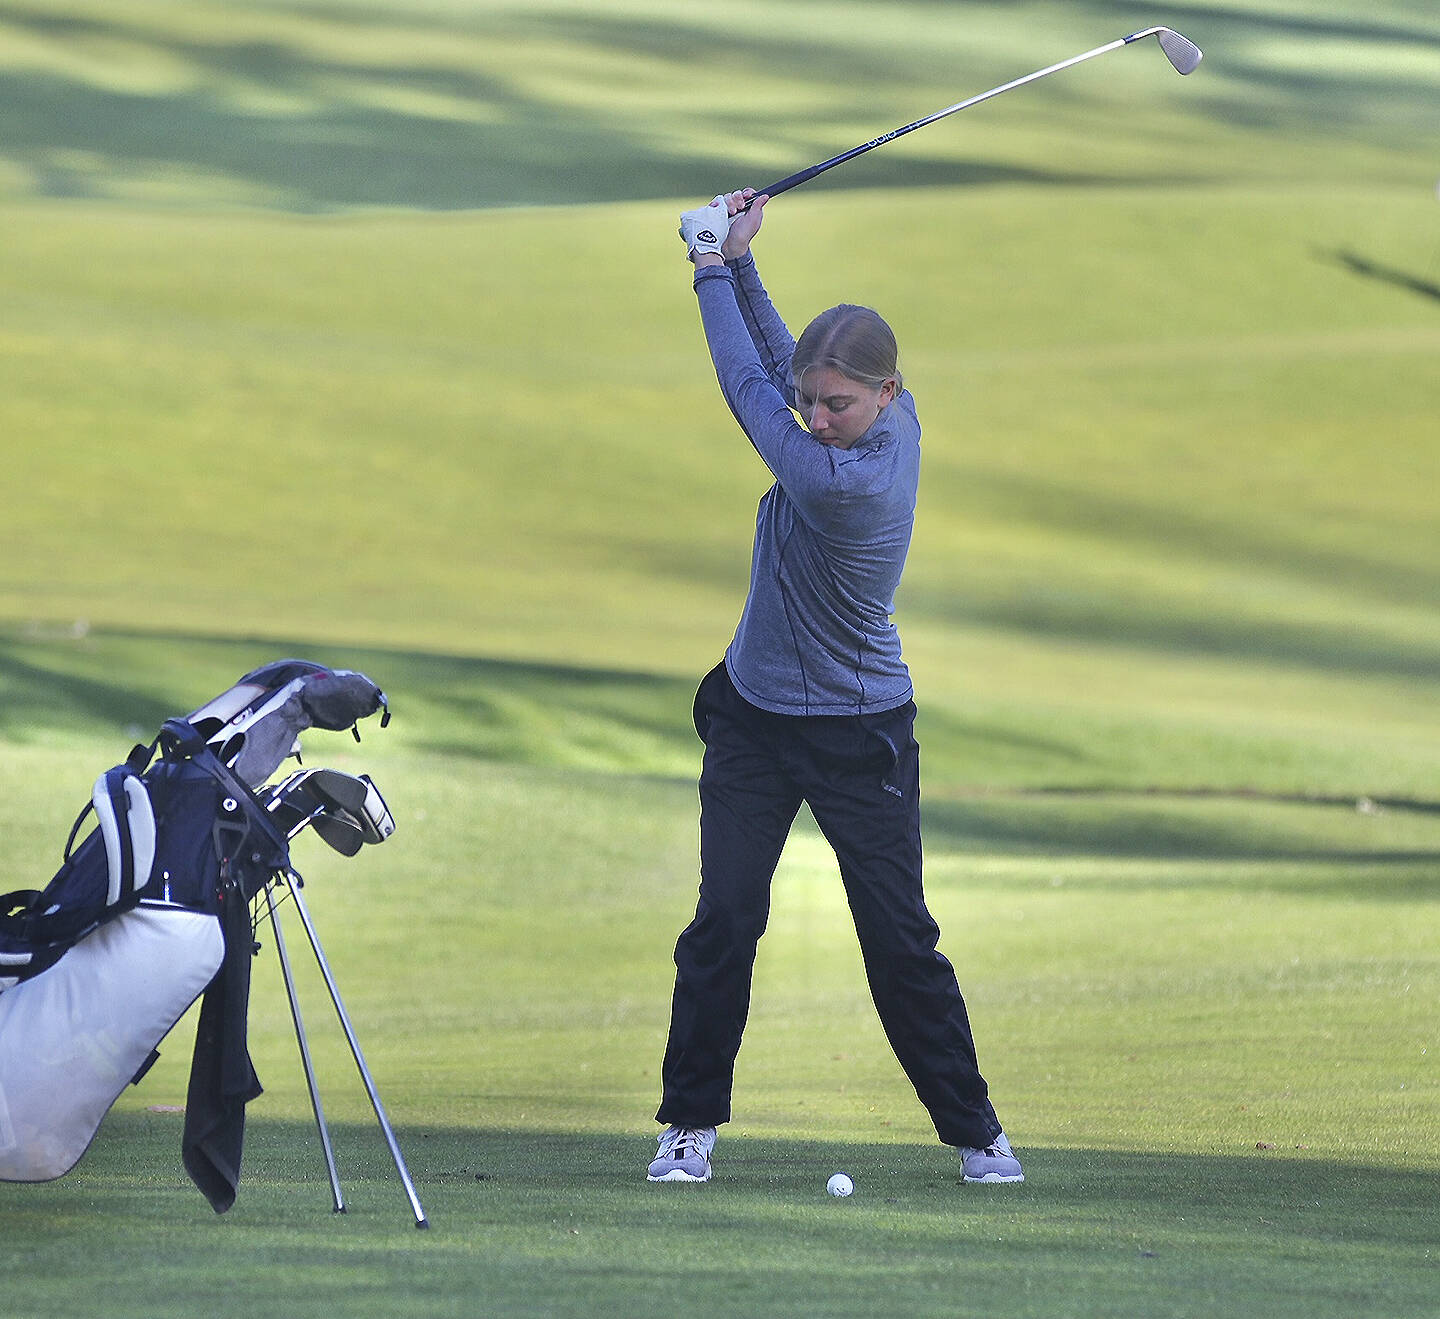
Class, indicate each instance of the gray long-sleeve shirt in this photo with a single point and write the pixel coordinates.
(831, 534)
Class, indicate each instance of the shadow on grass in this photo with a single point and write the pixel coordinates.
(476, 1165)
(1401, 279)
(562, 1222)
(121, 685)
(313, 131)
(1181, 627)
(124, 684)
(365, 107)
(38, 695)
(1161, 827)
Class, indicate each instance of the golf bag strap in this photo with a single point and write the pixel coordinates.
(15, 915)
(135, 763)
(112, 810)
(150, 1061)
(17, 903)
(126, 820)
(127, 827)
(75, 828)
(141, 754)
(179, 740)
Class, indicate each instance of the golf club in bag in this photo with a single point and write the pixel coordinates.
(158, 905)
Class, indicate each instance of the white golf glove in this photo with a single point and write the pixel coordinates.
(704, 229)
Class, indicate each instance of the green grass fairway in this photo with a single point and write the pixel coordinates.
(357, 330)
(1212, 1022)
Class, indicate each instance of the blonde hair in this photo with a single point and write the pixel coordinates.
(856, 341)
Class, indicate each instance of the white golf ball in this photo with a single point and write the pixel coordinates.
(840, 1184)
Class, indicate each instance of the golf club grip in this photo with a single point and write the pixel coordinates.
(805, 175)
(785, 184)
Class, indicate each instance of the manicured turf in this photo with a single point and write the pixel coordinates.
(358, 331)
(1209, 1022)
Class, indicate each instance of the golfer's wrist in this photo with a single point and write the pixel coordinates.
(707, 259)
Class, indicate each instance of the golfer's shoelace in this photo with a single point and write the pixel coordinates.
(685, 1144)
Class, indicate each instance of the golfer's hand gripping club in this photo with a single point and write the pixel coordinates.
(747, 212)
(704, 229)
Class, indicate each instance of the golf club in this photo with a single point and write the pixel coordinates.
(344, 809)
(354, 797)
(1182, 53)
(339, 829)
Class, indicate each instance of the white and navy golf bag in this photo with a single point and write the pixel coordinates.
(152, 909)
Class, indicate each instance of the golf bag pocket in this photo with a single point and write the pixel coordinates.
(156, 838)
(78, 1034)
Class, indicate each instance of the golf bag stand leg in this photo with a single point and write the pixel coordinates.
(336, 1197)
(385, 1128)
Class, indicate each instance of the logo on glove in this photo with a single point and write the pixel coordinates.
(705, 236)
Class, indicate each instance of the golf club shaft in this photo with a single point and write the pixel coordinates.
(805, 175)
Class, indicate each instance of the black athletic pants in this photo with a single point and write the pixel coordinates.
(860, 775)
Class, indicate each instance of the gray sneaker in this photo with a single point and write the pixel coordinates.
(684, 1155)
(995, 1163)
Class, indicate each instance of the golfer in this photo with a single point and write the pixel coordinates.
(813, 704)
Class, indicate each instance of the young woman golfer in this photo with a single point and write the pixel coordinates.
(813, 704)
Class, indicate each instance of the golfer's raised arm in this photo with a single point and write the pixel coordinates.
(769, 333)
(805, 468)
(792, 454)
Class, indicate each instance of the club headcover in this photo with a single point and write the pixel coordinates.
(255, 725)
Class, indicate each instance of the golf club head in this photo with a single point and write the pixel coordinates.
(333, 787)
(352, 797)
(345, 810)
(291, 810)
(291, 802)
(340, 829)
(1182, 53)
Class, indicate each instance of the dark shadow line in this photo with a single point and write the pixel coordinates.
(1369, 269)
(345, 154)
(1363, 803)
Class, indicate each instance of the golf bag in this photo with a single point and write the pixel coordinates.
(152, 909)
